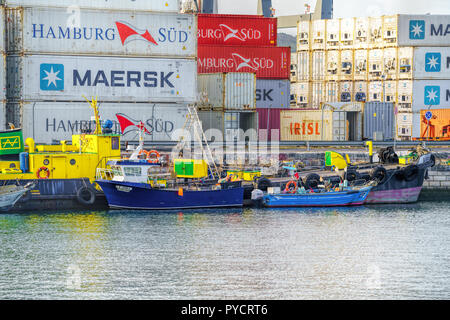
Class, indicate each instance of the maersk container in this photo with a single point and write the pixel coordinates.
(301, 93)
(431, 63)
(430, 93)
(405, 63)
(47, 122)
(375, 64)
(379, 118)
(136, 5)
(227, 91)
(360, 90)
(375, 91)
(236, 30)
(303, 64)
(266, 62)
(318, 65)
(69, 78)
(362, 33)
(303, 35)
(376, 32)
(390, 63)
(100, 33)
(423, 30)
(333, 64)
(319, 36)
(273, 94)
(333, 34)
(347, 33)
(346, 65)
(361, 64)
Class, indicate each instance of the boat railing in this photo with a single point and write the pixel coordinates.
(107, 174)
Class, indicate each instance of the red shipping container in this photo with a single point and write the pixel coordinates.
(266, 62)
(241, 30)
(268, 120)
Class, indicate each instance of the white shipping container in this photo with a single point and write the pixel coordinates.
(405, 62)
(333, 33)
(375, 91)
(376, 32)
(318, 65)
(2, 76)
(404, 90)
(423, 30)
(303, 72)
(404, 119)
(360, 91)
(2, 29)
(346, 91)
(346, 72)
(318, 37)
(362, 32)
(94, 32)
(375, 64)
(152, 5)
(434, 93)
(390, 91)
(361, 64)
(48, 121)
(390, 63)
(431, 63)
(2, 115)
(68, 78)
(390, 30)
(303, 35)
(318, 94)
(332, 91)
(347, 33)
(332, 72)
(300, 90)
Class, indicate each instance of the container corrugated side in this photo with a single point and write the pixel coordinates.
(319, 65)
(423, 30)
(266, 62)
(430, 93)
(2, 115)
(68, 78)
(303, 35)
(49, 121)
(303, 66)
(273, 94)
(212, 122)
(101, 33)
(431, 63)
(2, 76)
(269, 124)
(311, 125)
(2, 29)
(153, 5)
(379, 117)
(241, 30)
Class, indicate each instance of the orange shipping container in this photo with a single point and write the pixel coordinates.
(438, 126)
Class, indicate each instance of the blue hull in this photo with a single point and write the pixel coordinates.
(328, 199)
(139, 196)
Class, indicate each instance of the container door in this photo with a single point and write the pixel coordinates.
(339, 126)
(58, 166)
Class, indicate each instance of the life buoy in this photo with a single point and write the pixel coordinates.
(289, 189)
(149, 154)
(86, 196)
(47, 173)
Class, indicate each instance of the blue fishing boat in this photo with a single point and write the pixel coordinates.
(348, 197)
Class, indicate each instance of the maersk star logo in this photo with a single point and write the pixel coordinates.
(432, 95)
(433, 62)
(417, 29)
(52, 77)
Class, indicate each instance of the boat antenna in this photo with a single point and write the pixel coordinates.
(94, 105)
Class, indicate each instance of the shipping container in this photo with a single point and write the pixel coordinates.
(303, 65)
(301, 93)
(303, 35)
(236, 30)
(318, 65)
(2, 29)
(136, 5)
(69, 78)
(376, 32)
(345, 91)
(390, 63)
(333, 63)
(101, 33)
(2, 115)
(2, 76)
(390, 31)
(375, 64)
(404, 132)
(320, 125)
(294, 67)
(405, 91)
(360, 91)
(318, 94)
(347, 33)
(318, 38)
(273, 94)
(331, 91)
(269, 124)
(47, 122)
(379, 120)
(404, 119)
(423, 30)
(431, 93)
(432, 63)
(362, 32)
(361, 64)
(346, 63)
(333, 34)
(437, 127)
(375, 89)
(227, 91)
(405, 63)
(390, 91)
(266, 62)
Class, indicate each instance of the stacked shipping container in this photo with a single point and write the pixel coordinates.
(2, 71)
(140, 63)
(399, 59)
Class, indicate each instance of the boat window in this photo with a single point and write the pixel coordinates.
(132, 171)
(116, 171)
(115, 145)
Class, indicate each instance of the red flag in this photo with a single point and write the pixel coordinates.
(125, 122)
(126, 31)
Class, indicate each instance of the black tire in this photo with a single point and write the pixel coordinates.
(432, 160)
(379, 174)
(352, 176)
(411, 172)
(312, 181)
(400, 174)
(264, 184)
(86, 196)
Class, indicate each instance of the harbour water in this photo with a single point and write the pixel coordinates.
(376, 252)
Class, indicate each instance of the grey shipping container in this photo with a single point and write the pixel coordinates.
(2, 29)
(3, 124)
(379, 121)
(273, 94)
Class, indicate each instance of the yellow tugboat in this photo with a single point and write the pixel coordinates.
(63, 174)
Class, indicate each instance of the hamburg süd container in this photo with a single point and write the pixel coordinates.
(437, 127)
(227, 91)
(236, 30)
(379, 118)
(319, 36)
(136, 5)
(423, 30)
(38, 30)
(319, 65)
(46, 122)
(320, 125)
(431, 63)
(303, 64)
(69, 78)
(361, 65)
(266, 62)
(301, 93)
(333, 34)
(347, 33)
(273, 94)
(303, 35)
(362, 33)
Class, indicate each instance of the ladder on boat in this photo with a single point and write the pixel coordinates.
(194, 125)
